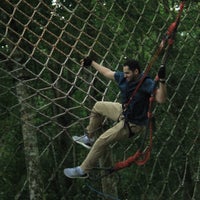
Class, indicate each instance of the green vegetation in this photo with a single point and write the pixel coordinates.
(46, 97)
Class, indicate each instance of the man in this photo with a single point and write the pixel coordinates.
(131, 117)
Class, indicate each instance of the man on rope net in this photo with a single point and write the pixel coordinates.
(130, 115)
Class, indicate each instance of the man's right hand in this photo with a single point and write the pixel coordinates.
(86, 62)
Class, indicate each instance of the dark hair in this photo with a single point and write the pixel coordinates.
(133, 64)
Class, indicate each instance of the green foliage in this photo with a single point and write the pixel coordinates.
(44, 43)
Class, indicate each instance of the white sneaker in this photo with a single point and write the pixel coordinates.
(75, 172)
(84, 141)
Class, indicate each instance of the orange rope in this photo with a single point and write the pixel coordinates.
(140, 158)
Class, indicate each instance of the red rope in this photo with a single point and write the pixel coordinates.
(140, 158)
(168, 37)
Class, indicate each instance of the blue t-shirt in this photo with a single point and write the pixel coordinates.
(137, 109)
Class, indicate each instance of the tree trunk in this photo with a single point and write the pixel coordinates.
(109, 184)
(30, 144)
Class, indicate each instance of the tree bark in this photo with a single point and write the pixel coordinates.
(109, 184)
(30, 144)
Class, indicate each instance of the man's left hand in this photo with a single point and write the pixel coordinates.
(162, 72)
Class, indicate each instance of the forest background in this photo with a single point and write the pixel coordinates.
(46, 96)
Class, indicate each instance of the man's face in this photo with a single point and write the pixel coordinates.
(129, 74)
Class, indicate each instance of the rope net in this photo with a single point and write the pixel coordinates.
(46, 96)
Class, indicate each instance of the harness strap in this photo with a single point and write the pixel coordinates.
(131, 133)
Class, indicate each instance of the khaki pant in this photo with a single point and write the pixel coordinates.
(118, 132)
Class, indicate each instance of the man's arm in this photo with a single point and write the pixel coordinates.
(101, 69)
(161, 93)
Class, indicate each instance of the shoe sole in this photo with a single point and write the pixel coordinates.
(82, 177)
(84, 145)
